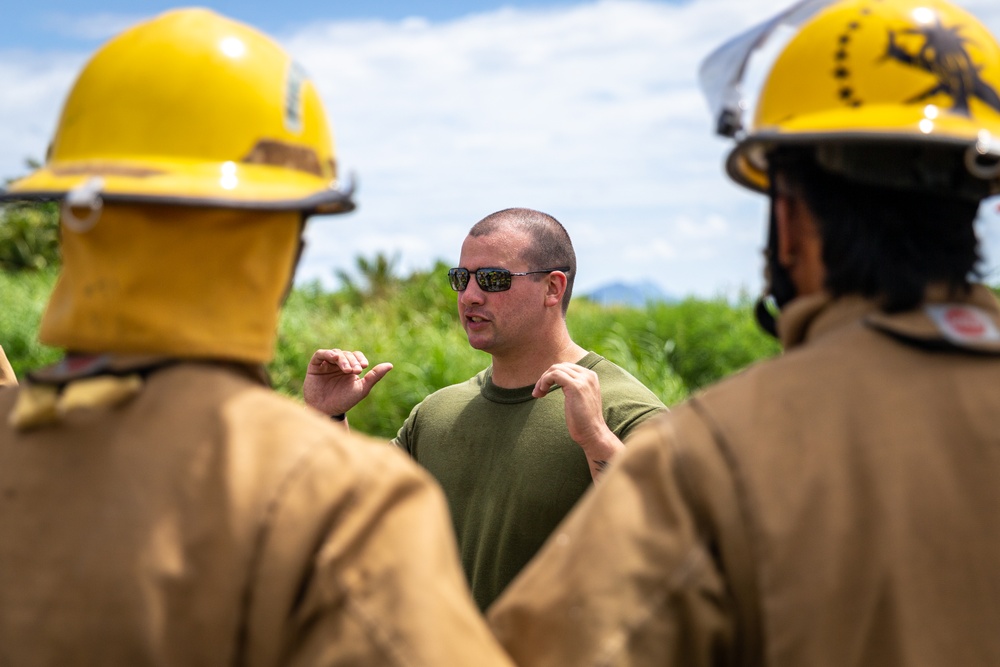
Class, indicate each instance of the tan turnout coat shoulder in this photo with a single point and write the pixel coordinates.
(838, 505)
(208, 521)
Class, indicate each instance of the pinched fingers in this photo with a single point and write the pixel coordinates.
(337, 361)
(573, 378)
(584, 412)
(333, 382)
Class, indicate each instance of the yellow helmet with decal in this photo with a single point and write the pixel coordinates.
(198, 147)
(192, 108)
(856, 75)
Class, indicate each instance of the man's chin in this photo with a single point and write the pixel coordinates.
(478, 342)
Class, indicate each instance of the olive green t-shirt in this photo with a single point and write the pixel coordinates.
(508, 466)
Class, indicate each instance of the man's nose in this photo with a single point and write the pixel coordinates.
(472, 294)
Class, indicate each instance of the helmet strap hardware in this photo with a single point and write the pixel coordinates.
(983, 159)
(85, 196)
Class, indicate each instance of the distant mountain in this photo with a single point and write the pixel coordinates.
(628, 294)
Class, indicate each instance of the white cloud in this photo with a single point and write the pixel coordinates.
(34, 87)
(589, 112)
(713, 227)
(656, 250)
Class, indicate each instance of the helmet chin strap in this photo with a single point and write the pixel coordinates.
(779, 288)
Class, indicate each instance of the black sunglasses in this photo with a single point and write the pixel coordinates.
(491, 279)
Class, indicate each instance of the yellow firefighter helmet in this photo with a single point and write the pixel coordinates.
(856, 74)
(192, 108)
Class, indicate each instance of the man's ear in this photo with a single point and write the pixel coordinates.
(556, 287)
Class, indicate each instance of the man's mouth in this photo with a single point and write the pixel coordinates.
(477, 319)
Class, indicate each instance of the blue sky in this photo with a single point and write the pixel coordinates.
(448, 111)
(67, 23)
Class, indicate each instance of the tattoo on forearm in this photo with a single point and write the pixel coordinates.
(600, 465)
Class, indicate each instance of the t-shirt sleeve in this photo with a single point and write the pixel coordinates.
(406, 436)
(627, 402)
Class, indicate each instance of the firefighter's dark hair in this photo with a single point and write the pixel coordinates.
(884, 243)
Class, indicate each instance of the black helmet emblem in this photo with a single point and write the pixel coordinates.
(945, 56)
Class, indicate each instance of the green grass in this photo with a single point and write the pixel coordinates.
(24, 296)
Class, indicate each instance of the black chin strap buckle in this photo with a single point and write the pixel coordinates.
(765, 311)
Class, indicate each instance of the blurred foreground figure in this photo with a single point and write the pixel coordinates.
(159, 504)
(838, 505)
(7, 376)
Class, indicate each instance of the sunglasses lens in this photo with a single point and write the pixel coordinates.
(493, 280)
(459, 279)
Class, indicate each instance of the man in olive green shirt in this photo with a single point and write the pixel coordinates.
(516, 446)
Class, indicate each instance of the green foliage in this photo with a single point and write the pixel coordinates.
(672, 348)
(24, 298)
(709, 340)
(625, 337)
(379, 275)
(29, 236)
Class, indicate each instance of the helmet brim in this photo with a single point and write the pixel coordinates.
(746, 164)
(216, 185)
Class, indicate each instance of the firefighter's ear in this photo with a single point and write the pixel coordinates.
(786, 243)
(800, 247)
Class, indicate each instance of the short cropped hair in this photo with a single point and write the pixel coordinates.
(550, 243)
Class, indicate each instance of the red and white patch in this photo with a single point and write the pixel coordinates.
(961, 323)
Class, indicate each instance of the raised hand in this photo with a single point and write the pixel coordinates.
(334, 383)
(584, 412)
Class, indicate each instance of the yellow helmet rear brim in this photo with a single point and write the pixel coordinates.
(220, 185)
(873, 124)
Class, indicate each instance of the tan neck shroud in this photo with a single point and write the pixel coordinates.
(186, 282)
